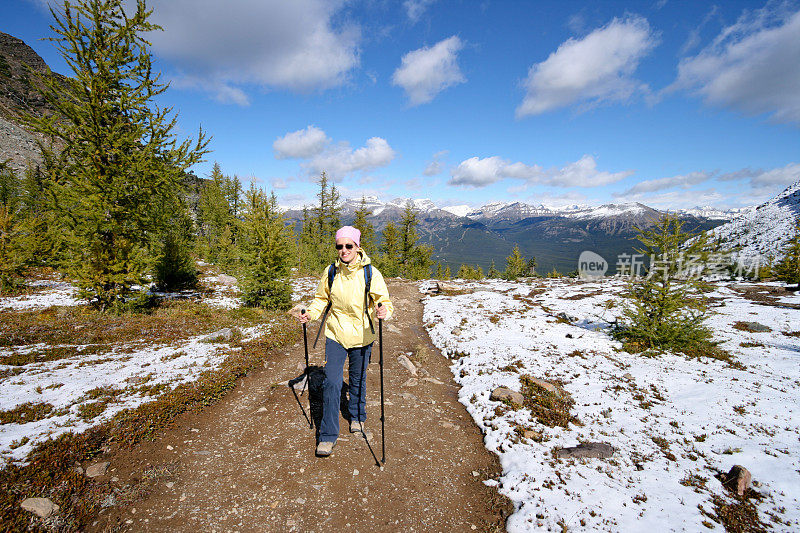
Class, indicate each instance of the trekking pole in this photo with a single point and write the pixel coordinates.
(383, 418)
(305, 345)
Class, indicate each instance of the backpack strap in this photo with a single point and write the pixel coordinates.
(367, 283)
(331, 275)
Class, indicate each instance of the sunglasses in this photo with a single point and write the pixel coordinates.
(348, 246)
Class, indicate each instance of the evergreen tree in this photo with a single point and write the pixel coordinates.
(11, 252)
(268, 252)
(175, 268)
(415, 260)
(788, 268)
(439, 271)
(42, 224)
(516, 265)
(530, 268)
(493, 272)
(319, 228)
(388, 261)
(120, 157)
(365, 227)
(218, 220)
(666, 308)
(447, 273)
(466, 271)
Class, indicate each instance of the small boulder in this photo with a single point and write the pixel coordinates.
(228, 281)
(628, 376)
(456, 331)
(406, 363)
(546, 385)
(221, 335)
(738, 479)
(446, 287)
(501, 394)
(587, 450)
(532, 434)
(97, 469)
(41, 507)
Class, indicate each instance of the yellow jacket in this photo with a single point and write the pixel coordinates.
(347, 323)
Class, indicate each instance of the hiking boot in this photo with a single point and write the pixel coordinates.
(325, 448)
(356, 426)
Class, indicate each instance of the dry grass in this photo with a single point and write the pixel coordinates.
(550, 408)
(751, 327)
(50, 471)
(68, 332)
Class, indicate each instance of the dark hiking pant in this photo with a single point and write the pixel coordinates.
(335, 354)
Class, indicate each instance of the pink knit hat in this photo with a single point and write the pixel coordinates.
(349, 232)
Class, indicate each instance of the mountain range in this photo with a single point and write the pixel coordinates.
(555, 236)
(461, 233)
(762, 231)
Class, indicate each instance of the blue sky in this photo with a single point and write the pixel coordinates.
(670, 103)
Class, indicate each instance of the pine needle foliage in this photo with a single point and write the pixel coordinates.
(319, 226)
(666, 309)
(516, 265)
(218, 220)
(415, 259)
(388, 260)
(788, 268)
(120, 157)
(175, 267)
(12, 260)
(268, 252)
(493, 273)
(466, 271)
(366, 228)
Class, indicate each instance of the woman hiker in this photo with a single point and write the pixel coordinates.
(349, 331)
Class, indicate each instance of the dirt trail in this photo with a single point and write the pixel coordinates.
(248, 464)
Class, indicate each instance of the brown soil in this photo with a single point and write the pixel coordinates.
(248, 463)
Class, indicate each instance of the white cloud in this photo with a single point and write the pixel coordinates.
(426, 72)
(683, 181)
(751, 66)
(685, 199)
(475, 172)
(223, 46)
(301, 144)
(763, 185)
(592, 70)
(339, 160)
(279, 183)
(415, 8)
(436, 164)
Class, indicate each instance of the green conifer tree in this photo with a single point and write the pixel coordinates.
(530, 268)
(365, 227)
(415, 259)
(447, 273)
(493, 272)
(388, 260)
(439, 271)
(515, 265)
(12, 260)
(666, 308)
(267, 244)
(218, 220)
(175, 267)
(42, 224)
(120, 157)
(319, 227)
(788, 268)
